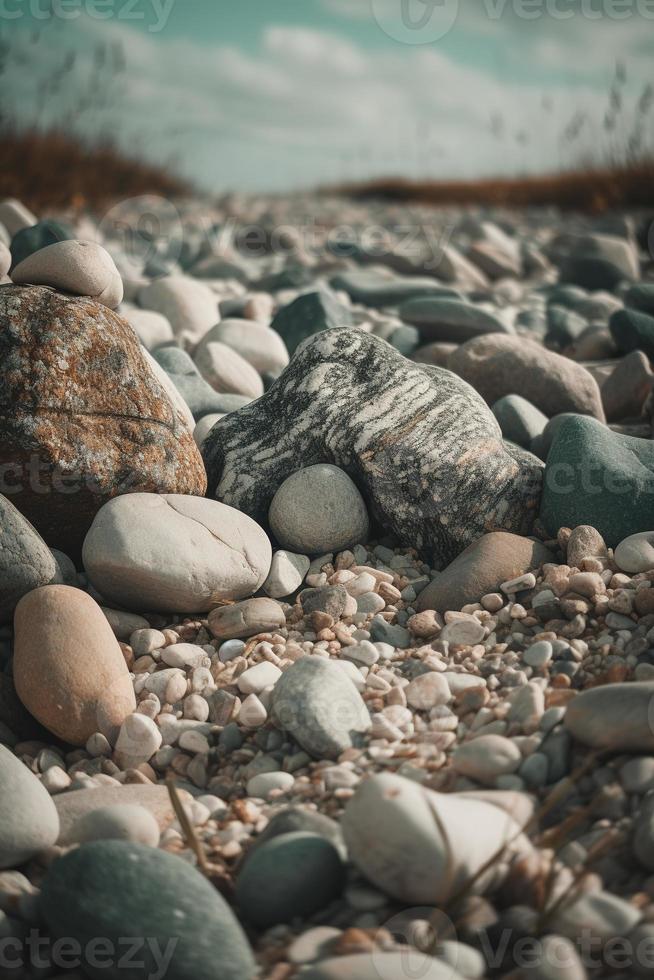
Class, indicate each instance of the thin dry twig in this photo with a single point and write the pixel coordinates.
(188, 829)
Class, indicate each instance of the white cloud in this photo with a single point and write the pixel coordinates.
(313, 106)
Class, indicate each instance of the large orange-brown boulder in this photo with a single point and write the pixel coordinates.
(69, 670)
(83, 417)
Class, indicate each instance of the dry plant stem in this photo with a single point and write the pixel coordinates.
(606, 843)
(187, 827)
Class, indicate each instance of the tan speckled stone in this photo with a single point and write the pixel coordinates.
(68, 667)
(82, 268)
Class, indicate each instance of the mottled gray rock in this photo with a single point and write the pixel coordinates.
(585, 542)
(316, 703)
(26, 562)
(330, 599)
(421, 444)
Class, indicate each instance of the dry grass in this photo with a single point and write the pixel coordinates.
(57, 170)
(588, 190)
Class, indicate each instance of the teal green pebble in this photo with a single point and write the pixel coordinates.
(633, 330)
(598, 477)
(641, 297)
(113, 890)
(289, 877)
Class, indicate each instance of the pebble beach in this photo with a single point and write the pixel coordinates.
(326, 592)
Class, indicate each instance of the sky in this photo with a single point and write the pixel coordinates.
(278, 95)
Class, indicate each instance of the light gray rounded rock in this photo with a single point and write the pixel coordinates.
(317, 703)
(226, 371)
(519, 420)
(318, 509)
(599, 914)
(15, 216)
(286, 574)
(151, 328)
(486, 757)
(419, 846)
(381, 965)
(26, 562)
(189, 306)
(5, 259)
(636, 553)
(118, 821)
(204, 427)
(260, 346)
(556, 958)
(174, 553)
(28, 818)
(539, 654)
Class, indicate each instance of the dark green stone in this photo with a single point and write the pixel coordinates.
(115, 890)
(291, 876)
(307, 315)
(563, 326)
(633, 330)
(371, 289)
(295, 818)
(29, 240)
(641, 297)
(598, 477)
(405, 339)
